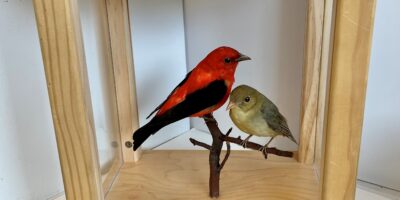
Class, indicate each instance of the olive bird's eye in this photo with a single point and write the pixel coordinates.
(247, 99)
(227, 60)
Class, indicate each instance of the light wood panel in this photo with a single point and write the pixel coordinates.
(184, 175)
(110, 172)
(349, 72)
(121, 46)
(326, 52)
(311, 75)
(109, 169)
(66, 75)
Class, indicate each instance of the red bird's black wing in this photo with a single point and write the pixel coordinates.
(197, 101)
(179, 85)
(194, 102)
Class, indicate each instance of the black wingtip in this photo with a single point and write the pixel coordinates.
(140, 136)
(135, 147)
(144, 132)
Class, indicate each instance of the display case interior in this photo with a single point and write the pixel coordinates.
(309, 57)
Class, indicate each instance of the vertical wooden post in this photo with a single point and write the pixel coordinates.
(62, 51)
(326, 55)
(311, 75)
(121, 47)
(348, 81)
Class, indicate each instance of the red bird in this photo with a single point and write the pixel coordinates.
(204, 90)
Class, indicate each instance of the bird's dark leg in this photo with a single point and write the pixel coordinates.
(266, 145)
(270, 140)
(244, 143)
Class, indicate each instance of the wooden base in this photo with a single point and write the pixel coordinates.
(184, 175)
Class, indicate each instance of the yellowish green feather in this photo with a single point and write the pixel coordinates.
(254, 114)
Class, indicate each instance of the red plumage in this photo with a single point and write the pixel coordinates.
(203, 85)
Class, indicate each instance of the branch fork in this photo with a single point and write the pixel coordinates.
(215, 151)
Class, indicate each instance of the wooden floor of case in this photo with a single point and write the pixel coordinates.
(184, 174)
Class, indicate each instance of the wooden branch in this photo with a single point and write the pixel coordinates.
(206, 146)
(228, 152)
(257, 147)
(201, 144)
(215, 151)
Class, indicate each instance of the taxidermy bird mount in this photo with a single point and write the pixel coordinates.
(254, 114)
(205, 89)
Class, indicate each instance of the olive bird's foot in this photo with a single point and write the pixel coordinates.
(244, 143)
(263, 149)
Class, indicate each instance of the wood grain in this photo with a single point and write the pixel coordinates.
(62, 51)
(348, 81)
(311, 73)
(326, 53)
(110, 172)
(110, 169)
(184, 175)
(121, 46)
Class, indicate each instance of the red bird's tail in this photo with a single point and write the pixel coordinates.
(144, 132)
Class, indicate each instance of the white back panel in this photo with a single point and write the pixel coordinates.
(159, 58)
(380, 150)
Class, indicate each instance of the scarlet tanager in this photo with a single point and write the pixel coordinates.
(254, 114)
(205, 89)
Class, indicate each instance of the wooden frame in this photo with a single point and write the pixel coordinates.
(338, 42)
(345, 111)
(118, 17)
(318, 45)
(62, 51)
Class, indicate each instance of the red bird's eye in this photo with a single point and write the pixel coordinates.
(227, 60)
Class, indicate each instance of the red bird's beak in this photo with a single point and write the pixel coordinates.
(230, 105)
(242, 58)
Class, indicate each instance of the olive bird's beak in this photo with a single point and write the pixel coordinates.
(230, 105)
(242, 58)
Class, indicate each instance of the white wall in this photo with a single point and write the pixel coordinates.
(159, 58)
(29, 165)
(271, 32)
(101, 82)
(379, 159)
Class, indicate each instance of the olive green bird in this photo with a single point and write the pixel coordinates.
(254, 114)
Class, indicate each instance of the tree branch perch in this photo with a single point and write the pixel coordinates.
(218, 138)
(201, 144)
(257, 147)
